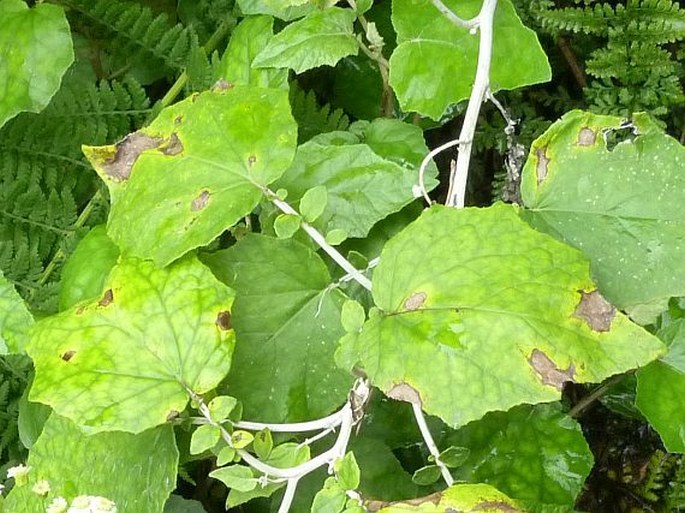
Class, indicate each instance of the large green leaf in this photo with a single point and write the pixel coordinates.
(434, 64)
(196, 170)
(620, 206)
(35, 51)
(661, 389)
(469, 498)
(283, 9)
(127, 360)
(15, 318)
(249, 38)
(535, 454)
(287, 325)
(478, 312)
(321, 38)
(137, 472)
(365, 182)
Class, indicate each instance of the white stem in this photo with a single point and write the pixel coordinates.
(289, 495)
(447, 12)
(321, 241)
(426, 161)
(430, 443)
(457, 188)
(332, 420)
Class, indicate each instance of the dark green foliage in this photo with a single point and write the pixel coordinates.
(45, 182)
(664, 486)
(636, 69)
(313, 119)
(134, 30)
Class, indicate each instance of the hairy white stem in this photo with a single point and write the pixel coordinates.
(457, 188)
(321, 241)
(430, 443)
(450, 15)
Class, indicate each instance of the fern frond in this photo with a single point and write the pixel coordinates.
(138, 28)
(588, 20)
(313, 119)
(44, 179)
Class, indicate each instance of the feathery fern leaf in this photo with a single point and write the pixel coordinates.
(313, 119)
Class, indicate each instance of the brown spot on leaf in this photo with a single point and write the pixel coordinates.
(80, 310)
(586, 137)
(222, 85)
(415, 301)
(595, 310)
(223, 320)
(172, 146)
(128, 150)
(548, 371)
(404, 392)
(251, 160)
(172, 415)
(68, 355)
(178, 120)
(107, 298)
(543, 161)
(502, 506)
(200, 202)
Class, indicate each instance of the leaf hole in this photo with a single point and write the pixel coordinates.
(625, 133)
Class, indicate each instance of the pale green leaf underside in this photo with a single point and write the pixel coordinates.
(622, 208)
(126, 360)
(477, 313)
(434, 64)
(15, 318)
(119, 466)
(460, 497)
(196, 170)
(535, 454)
(321, 38)
(287, 326)
(249, 38)
(283, 9)
(35, 51)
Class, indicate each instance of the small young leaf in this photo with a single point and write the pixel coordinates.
(347, 472)
(454, 456)
(226, 455)
(337, 236)
(330, 499)
(236, 477)
(352, 316)
(363, 6)
(263, 443)
(286, 225)
(204, 438)
(241, 439)
(221, 407)
(313, 203)
(426, 475)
